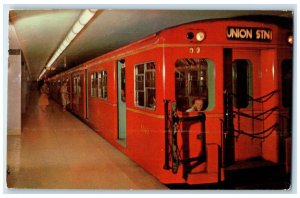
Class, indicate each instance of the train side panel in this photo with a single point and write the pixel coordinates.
(102, 110)
(237, 75)
(78, 93)
(145, 124)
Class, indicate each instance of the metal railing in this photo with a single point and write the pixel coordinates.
(172, 151)
(262, 117)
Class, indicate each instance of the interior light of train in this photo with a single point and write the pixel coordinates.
(290, 39)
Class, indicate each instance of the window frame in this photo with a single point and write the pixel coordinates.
(249, 83)
(94, 84)
(102, 82)
(145, 89)
(76, 82)
(204, 78)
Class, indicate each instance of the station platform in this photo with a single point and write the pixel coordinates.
(57, 151)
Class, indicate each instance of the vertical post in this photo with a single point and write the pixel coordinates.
(228, 131)
(203, 120)
(166, 107)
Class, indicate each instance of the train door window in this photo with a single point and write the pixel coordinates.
(194, 79)
(75, 85)
(58, 85)
(78, 85)
(145, 86)
(123, 83)
(68, 84)
(102, 85)
(242, 80)
(94, 84)
(286, 82)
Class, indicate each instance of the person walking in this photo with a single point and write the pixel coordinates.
(64, 95)
(43, 100)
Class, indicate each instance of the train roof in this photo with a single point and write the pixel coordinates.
(282, 22)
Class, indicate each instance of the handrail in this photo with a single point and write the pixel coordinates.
(268, 96)
(260, 117)
(173, 118)
(166, 105)
(260, 99)
(257, 135)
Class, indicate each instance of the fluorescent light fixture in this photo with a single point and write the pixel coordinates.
(71, 35)
(84, 18)
(43, 72)
(66, 43)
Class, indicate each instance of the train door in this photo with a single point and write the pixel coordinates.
(87, 94)
(246, 86)
(69, 91)
(121, 100)
(243, 120)
(77, 98)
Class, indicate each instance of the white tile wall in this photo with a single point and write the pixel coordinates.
(14, 95)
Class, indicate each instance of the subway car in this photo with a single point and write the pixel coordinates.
(142, 97)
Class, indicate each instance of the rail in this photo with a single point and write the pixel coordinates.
(172, 152)
(262, 117)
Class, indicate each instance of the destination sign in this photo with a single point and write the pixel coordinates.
(248, 33)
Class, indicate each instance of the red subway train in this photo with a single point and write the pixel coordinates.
(191, 101)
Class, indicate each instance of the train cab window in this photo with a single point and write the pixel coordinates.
(242, 80)
(94, 84)
(145, 86)
(286, 82)
(194, 79)
(102, 85)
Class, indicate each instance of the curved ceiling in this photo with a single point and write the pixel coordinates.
(40, 32)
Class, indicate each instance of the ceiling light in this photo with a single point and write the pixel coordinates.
(43, 72)
(84, 18)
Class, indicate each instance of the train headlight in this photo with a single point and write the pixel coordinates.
(190, 35)
(290, 39)
(200, 36)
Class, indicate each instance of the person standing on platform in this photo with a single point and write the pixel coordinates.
(64, 95)
(43, 100)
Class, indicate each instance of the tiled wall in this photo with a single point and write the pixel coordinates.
(14, 95)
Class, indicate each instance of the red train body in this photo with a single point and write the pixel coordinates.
(137, 98)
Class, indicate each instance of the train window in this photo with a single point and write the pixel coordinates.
(123, 83)
(94, 84)
(76, 85)
(102, 84)
(58, 85)
(68, 84)
(242, 78)
(286, 82)
(145, 86)
(193, 79)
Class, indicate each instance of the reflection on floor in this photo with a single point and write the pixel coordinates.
(57, 151)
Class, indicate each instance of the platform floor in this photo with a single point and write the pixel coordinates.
(57, 151)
